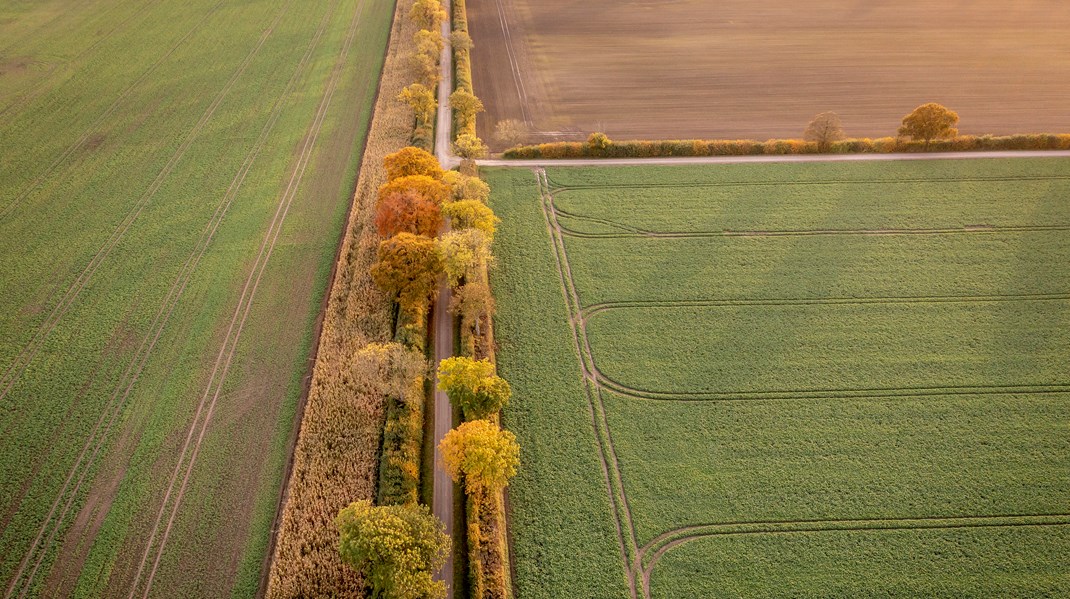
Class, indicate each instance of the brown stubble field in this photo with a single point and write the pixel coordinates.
(735, 69)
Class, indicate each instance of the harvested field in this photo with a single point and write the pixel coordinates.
(737, 69)
(840, 379)
(170, 208)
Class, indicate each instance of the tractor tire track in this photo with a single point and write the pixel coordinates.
(188, 455)
(657, 547)
(518, 80)
(38, 88)
(622, 521)
(22, 361)
(119, 398)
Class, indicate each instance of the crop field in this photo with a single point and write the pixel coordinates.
(736, 69)
(839, 379)
(173, 184)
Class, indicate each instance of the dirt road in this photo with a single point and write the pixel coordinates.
(682, 160)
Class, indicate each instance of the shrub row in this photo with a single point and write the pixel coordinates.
(337, 451)
(462, 66)
(748, 147)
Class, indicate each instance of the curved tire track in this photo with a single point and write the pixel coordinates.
(188, 455)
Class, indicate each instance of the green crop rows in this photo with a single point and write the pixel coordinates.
(838, 379)
(173, 183)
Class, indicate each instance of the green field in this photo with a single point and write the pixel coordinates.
(789, 380)
(174, 181)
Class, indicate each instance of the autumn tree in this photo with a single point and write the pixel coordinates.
(472, 302)
(481, 453)
(466, 187)
(428, 41)
(397, 548)
(407, 212)
(824, 129)
(422, 100)
(460, 40)
(510, 132)
(429, 187)
(407, 268)
(471, 214)
(465, 106)
(410, 161)
(472, 385)
(390, 369)
(598, 142)
(462, 252)
(427, 14)
(469, 146)
(424, 68)
(928, 122)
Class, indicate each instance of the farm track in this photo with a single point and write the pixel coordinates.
(188, 455)
(558, 188)
(26, 355)
(639, 562)
(118, 400)
(39, 88)
(660, 545)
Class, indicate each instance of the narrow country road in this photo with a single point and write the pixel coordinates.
(442, 502)
(681, 160)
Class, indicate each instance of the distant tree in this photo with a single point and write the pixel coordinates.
(396, 548)
(427, 14)
(462, 252)
(466, 106)
(824, 129)
(410, 161)
(407, 212)
(471, 214)
(472, 385)
(422, 101)
(928, 122)
(510, 132)
(598, 142)
(460, 40)
(429, 187)
(469, 146)
(407, 268)
(481, 453)
(390, 369)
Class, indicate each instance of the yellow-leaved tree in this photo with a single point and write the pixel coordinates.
(411, 161)
(471, 214)
(930, 121)
(482, 454)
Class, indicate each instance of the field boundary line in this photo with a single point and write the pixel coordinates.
(661, 544)
(564, 188)
(228, 349)
(78, 143)
(599, 308)
(140, 359)
(622, 520)
(35, 90)
(22, 361)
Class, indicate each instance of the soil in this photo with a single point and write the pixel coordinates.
(650, 69)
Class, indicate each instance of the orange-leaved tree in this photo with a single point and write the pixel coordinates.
(412, 161)
(407, 212)
(930, 121)
(481, 453)
(429, 187)
(407, 268)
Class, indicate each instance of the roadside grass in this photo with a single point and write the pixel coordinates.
(125, 111)
(837, 377)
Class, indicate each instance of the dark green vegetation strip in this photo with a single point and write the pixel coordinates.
(561, 523)
(157, 146)
(866, 346)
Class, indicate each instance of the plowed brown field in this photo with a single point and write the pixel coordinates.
(736, 69)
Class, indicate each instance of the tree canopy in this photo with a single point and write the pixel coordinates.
(427, 14)
(469, 146)
(407, 212)
(824, 129)
(930, 121)
(390, 369)
(481, 453)
(471, 214)
(429, 187)
(407, 268)
(410, 161)
(396, 548)
(473, 385)
(462, 252)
